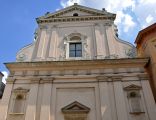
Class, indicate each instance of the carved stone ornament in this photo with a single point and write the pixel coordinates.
(131, 53)
(21, 57)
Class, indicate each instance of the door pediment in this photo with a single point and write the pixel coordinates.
(75, 107)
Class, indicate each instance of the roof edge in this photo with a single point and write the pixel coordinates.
(143, 31)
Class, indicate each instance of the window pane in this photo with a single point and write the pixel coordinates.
(75, 49)
(78, 54)
(78, 46)
(72, 54)
(72, 46)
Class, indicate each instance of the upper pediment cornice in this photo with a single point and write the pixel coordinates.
(73, 19)
(60, 13)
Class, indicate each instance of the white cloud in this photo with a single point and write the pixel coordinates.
(149, 18)
(128, 22)
(5, 76)
(132, 15)
(145, 12)
(66, 3)
(115, 6)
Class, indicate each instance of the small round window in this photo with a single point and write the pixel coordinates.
(75, 14)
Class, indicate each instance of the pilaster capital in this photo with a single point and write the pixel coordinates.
(117, 78)
(102, 78)
(47, 80)
(143, 76)
(35, 80)
(10, 80)
(43, 27)
(54, 26)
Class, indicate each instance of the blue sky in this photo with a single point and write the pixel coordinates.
(17, 20)
(17, 23)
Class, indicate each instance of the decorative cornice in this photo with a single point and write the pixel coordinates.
(74, 19)
(102, 78)
(117, 78)
(78, 64)
(77, 8)
(35, 80)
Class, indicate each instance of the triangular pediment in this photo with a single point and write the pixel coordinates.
(81, 10)
(132, 87)
(75, 107)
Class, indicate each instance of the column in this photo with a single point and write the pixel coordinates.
(32, 100)
(119, 99)
(46, 99)
(149, 100)
(105, 103)
(5, 100)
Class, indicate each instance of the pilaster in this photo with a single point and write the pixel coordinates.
(41, 45)
(119, 99)
(53, 46)
(104, 98)
(4, 106)
(99, 42)
(149, 100)
(104, 27)
(111, 42)
(46, 99)
(32, 101)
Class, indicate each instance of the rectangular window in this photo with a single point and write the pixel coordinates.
(75, 50)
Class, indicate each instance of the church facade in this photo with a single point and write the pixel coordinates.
(77, 69)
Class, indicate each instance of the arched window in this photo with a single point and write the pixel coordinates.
(75, 14)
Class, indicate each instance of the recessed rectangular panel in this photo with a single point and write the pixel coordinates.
(66, 96)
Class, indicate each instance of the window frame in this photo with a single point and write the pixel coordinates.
(75, 50)
(130, 98)
(14, 100)
(69, 41)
